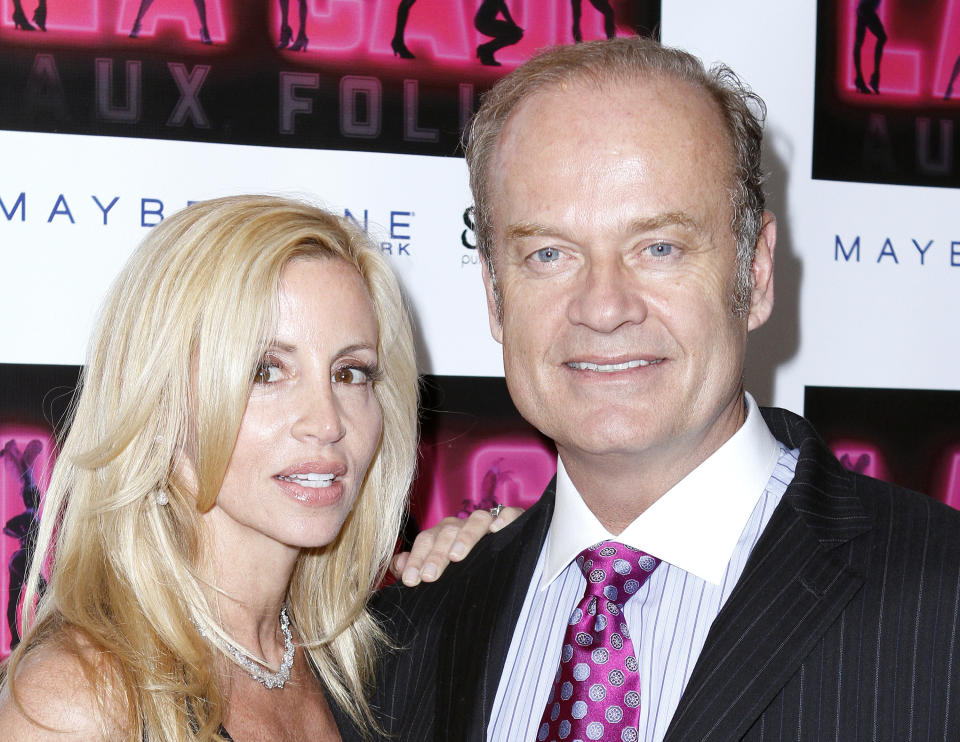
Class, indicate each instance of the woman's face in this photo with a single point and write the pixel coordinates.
(312, 422)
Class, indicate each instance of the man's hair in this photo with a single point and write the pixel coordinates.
(168, 376)
(626, 61)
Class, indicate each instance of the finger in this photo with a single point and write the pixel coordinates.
(506, 517)
(438, 557)
(472, 530)
(417, 568)
(398, 562)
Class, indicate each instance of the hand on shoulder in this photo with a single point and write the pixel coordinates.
(448, 541)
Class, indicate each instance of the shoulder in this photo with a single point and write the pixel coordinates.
(908, 515)
(48, 696)
(819, 468)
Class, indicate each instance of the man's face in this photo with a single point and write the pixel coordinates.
(616, 263)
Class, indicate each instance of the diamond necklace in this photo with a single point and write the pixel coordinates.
(256, 671)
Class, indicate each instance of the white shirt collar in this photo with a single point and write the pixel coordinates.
(695, 525)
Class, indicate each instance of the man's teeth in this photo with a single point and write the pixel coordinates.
(309, 480)
(610, 367)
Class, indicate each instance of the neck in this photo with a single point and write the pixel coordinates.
(255, 628)
(618, 487)
(248, 587)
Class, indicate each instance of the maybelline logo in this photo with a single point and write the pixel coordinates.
(923, 252)
(106, 211)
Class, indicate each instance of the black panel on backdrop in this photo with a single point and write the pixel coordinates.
(887, 100)
(376, 75)
(476, 450)
(36, 395)
(909, 437)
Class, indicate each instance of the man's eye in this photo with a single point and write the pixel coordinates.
(660, 249)
(267, 373)
(547, 254)
(351, 375)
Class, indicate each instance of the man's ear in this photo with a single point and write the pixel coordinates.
(761, 300)
(496, 326)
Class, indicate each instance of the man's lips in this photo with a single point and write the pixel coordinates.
(612, 367)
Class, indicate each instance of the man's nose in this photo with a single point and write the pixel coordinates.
(608, 295)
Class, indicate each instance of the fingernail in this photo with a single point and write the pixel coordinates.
(458, 550)
(497, 525)
(411, 577)
(429, 572)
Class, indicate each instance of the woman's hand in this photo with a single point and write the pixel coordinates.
(448, 541)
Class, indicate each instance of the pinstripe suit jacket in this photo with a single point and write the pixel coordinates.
(844, 626)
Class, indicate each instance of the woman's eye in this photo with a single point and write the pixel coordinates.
(267, 372)
(351, 375)
(660, 249)
(547, 254)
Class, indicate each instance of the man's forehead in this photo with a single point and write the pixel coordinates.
(574, 112)
(620, 153)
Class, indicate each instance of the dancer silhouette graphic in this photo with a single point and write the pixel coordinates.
(953, 78)
(397, 44)
(200, 5)
(504, 31)
(286, 33)
(23, 526)
(609, 27)
(20, 21)
(868, 20)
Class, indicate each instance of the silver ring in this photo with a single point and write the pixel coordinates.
(495, 510)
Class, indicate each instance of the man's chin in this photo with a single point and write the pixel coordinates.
(603, 437)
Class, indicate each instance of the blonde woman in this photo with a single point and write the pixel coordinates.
(229, 493)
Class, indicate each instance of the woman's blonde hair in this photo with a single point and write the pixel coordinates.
(169, 369)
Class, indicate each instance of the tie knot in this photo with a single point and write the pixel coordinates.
(615, 570)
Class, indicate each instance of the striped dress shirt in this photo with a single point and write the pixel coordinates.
(732, 495)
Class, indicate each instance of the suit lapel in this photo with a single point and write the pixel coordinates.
(483, 626)
(801, 574)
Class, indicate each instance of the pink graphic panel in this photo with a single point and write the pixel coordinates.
(82, 22)
(922, 46)
(511, 469)
(435, 30)
(78, 17)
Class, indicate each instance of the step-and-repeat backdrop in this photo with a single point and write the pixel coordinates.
(116, 113)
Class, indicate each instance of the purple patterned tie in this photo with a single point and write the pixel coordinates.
(596, 694)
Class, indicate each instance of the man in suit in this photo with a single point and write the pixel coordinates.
(626, 255)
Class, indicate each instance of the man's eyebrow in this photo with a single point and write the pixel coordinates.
(521, 230)
(666, 219)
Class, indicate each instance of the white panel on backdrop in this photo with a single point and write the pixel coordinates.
(67, 237)
(887, 320)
